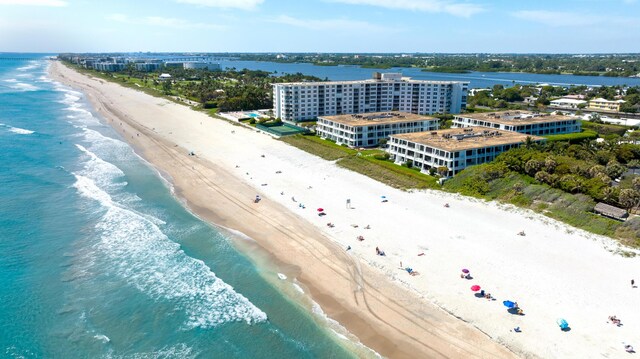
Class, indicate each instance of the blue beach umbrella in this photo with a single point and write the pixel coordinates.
(562, 323)
(509, 304)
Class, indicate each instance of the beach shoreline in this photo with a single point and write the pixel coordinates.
(433, 314)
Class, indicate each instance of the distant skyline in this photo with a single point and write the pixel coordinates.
(452, 26)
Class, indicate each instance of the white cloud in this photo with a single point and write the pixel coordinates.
(562, 18)
(556, 18)
(53, 3)
(332, 25)
(462, 9)
(236, 4)
(163, 22)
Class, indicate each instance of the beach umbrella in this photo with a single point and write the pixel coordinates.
(562, 323)
(383, 197)
(320, 209)
(475, 288)
(465, 271)
(509, 304)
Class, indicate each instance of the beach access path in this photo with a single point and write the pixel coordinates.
(553, 272)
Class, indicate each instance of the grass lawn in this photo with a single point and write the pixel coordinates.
(319, 147)
(363, 162)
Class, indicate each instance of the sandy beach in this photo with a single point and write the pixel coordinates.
(553, 272)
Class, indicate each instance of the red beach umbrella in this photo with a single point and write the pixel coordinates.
(475, 288)
(320, 209)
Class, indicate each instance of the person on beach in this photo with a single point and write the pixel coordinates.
(348, 247)
(517, 330)
(633, 282)
(629, 349)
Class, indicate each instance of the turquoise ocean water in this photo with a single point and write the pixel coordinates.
(98, 260)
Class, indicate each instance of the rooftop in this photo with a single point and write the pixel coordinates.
(460, 139)
(569, 100)
(516, 117)
(377, 118)
(369, 81)
(607, 101)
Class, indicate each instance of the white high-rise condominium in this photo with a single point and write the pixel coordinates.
(303, 101)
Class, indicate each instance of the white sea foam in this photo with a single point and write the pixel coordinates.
(101, 337)
(10, 80)
(282, 276)
(105, 174)
(32, 65)
(298, 288)
(181, 351)
(17, 130)
(44, 78)
(21, 86)
(137, 251)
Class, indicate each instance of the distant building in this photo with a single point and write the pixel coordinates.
(473, 92)
(109, 66)
(525, 122)
(575, 97)
(174, 64)
(366, 130)
(530, 100)
(148, 67)
(568, 103)
(455, 148)
(202, 65)
(303, 101)
(607, 105)
(164, 77)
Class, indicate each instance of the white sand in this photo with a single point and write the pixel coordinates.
(553, 272)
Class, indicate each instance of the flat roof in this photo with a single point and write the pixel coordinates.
(569, 100)
(460, 139)
(516, 117)
(377, 118)
(369, 81)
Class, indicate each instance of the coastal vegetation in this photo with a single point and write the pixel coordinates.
(585, 65)
(229, 90)
(564, 181)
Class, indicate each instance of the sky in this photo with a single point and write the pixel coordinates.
(451, 26)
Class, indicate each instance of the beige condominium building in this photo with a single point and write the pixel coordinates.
(366, 130)
(455, 148)
(607, 105)
(304, 101)
(525, 122)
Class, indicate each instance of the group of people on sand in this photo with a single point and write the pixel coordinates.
(614, 320)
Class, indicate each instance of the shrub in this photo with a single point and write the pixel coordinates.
(382, 156)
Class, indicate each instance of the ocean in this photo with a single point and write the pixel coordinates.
(100, 260)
